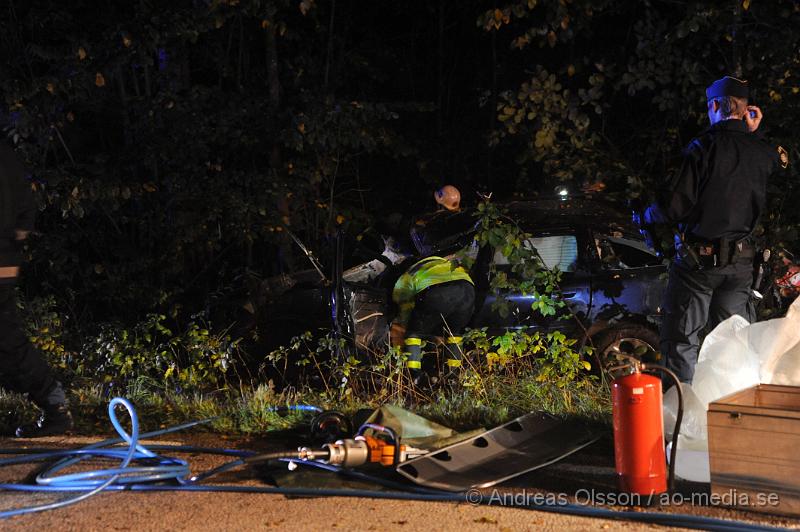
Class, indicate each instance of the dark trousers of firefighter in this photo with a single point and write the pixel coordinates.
(695, 299)
(23, 368)
(443, 309)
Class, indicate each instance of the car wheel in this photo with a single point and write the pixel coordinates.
(614, 345)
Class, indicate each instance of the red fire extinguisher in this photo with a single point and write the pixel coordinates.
(639, 433)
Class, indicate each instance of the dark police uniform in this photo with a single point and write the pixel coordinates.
(715, 200)
(23, 368)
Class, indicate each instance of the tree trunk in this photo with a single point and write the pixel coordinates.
(274, 88)
(240, 58)
(285, 261)
(492, 111)
(329, 55)
(126, 120)
(735, 47)
(273, 81)
(440, 74)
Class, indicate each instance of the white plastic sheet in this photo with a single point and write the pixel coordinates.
(734, 356)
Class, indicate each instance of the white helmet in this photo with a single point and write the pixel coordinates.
(448, 197)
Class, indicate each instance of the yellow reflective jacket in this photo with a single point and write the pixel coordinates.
(424, 274)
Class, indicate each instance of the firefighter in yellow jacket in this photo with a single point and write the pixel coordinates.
(435, 297)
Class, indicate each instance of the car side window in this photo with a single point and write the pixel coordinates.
(556, 251)
(619, 252)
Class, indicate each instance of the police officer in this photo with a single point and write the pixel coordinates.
(714, 201)
(23, 368)
(435, 297)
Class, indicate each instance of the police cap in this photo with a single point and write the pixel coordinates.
(728, 86)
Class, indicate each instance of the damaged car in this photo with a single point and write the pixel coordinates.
(611, 282)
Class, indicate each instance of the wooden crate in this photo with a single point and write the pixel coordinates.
(754, 449)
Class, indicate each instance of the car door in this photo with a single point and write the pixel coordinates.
(627, 277)
(560, 248)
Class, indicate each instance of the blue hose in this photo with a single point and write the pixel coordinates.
(97, 481)
(124, 476)
(297, 408)
(129, 478)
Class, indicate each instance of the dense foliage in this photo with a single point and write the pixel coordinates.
(172, 144)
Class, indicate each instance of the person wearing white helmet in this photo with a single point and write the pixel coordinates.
(448, 197)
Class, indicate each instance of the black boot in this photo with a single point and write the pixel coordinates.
(452, 378)
(423, 381)
(55, 419)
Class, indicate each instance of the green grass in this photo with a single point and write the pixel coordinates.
(248, 410)
(176, 377)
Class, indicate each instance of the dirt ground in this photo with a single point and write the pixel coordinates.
(582, 478)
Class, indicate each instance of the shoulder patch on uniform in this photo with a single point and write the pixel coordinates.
(783, 156)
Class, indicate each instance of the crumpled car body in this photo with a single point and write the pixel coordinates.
(610, 277)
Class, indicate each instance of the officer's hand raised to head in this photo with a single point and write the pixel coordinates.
(753, 117)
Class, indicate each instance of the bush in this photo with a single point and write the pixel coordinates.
(193, 360)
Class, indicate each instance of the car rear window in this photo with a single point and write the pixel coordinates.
(556, 251)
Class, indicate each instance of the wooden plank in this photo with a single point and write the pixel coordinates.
(766, 399)
(764, 473)
(748, 422)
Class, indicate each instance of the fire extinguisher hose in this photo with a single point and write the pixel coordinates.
(678, 418)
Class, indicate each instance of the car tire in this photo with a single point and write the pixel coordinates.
(613, 345)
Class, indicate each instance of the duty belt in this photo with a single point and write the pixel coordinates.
(720, 252)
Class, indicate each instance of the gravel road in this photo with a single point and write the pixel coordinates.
(587, 470)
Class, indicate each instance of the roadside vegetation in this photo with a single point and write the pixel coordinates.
(179, 376)
(172, 151)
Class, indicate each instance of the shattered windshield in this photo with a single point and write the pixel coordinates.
(443, 231)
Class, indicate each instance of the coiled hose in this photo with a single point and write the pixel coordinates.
(98, 480)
